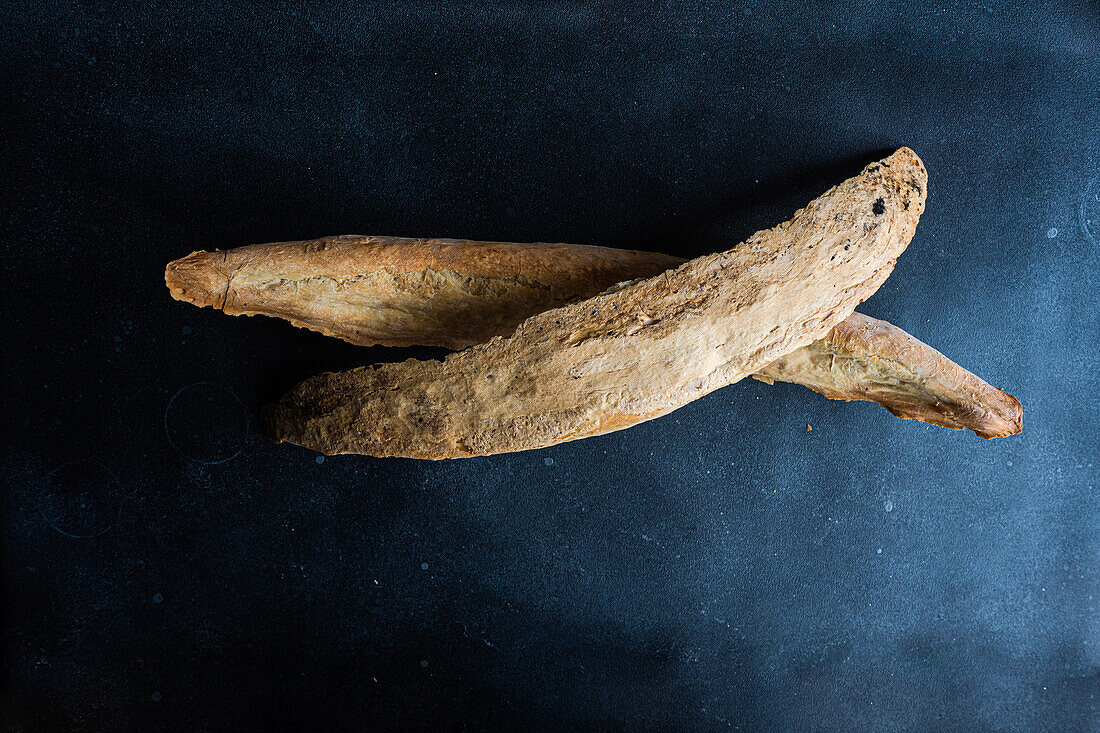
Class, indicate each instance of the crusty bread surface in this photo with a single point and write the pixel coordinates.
(393, 291)
(631, 354)
(864, 358)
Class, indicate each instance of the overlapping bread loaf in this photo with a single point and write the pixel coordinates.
(631, 354)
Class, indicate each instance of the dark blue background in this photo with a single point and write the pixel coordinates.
(166, 566)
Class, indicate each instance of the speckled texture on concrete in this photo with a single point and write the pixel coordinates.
(164, 566)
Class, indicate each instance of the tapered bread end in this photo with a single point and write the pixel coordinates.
(864, 358)
(199, 278)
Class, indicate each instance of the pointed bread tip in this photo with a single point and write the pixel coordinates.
(1004, 419)
(199, 279)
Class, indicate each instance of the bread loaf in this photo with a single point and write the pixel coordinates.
(630, 355)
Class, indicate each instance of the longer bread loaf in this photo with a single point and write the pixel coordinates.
(630, 355)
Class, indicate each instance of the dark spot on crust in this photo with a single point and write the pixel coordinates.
(907, 204)
(879, 208)
(915, 185)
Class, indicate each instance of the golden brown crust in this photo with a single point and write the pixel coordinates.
(856, 361)
(393, 291)
(630, 355)
(867, 359)
(399, 292)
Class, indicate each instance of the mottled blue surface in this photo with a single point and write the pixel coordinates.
(166, 567)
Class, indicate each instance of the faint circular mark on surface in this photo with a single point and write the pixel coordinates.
(1089, 211)
(81, 499)
(206, 423)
